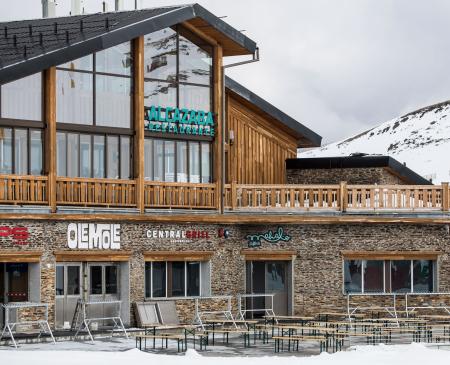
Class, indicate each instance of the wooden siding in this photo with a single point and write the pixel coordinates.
(259, 150)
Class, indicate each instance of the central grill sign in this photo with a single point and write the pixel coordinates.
(93, 236)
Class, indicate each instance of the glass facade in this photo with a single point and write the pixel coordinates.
(97, 156)
(177, 70)
(385, 276)
(96, 89)
(21, 151)
(22, 99)
(174, 279)
(177, 161)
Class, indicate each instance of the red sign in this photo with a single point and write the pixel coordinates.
(19, 235)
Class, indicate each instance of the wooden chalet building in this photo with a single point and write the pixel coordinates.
(132, 168)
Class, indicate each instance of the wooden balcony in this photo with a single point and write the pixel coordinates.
(95, 192)
(167, 195)
(342, 197)
(17, 190)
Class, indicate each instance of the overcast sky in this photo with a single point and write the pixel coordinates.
(339, 67)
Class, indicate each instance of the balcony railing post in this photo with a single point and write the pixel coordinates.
(343, 196)
(445, 196)
(233, 195)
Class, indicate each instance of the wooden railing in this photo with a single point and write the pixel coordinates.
(15, 189)
(159, 194)
(95, 192)
(340, 197)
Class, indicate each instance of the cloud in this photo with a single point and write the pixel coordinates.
(339, 67)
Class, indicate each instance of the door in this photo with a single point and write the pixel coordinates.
(103, 284)
(2, 292)
(268, 277)
(68, 291)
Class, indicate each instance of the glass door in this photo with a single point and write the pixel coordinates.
(103, 284)
(68, 291)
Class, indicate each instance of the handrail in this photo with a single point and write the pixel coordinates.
(24, 190)
(334, 197)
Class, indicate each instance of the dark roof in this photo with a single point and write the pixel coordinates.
(306, 137)
(369, 161)
(29, 46)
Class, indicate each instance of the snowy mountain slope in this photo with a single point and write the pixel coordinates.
(421, 139)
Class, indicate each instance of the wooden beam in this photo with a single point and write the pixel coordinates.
(199, 33)
(268, 255)
(223, 219)
(178, 255)
(99, 256)
(138, 105)
(218, 111)
(445, 196)
(20, 256)
(50, 134)
(391, 255)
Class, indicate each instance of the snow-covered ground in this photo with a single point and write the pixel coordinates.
(421, 139)
(72, 353)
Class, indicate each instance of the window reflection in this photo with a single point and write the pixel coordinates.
(195, 97)
(195, 62)
(159, 93)
(84, 63)
(36, 155)
(160, 55)
(423, 273)
(113, 101)
(352, 276)
(194, 162)
(113, 157)
(401, 276)
(85, 155)
(6, 150)
(99, 156)
(115, 60)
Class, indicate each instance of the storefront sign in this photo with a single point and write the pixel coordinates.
(93, 236)
(19, 235)
(177, 235)
(179, 121)
(254, 240)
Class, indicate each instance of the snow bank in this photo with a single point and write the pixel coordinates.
(415, 354)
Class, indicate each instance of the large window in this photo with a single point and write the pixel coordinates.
(181, 161)
(96, 89)
(22, 99)
(177, 70)
(93, 155)
(21, 151)
(177, 279)
(385, 276)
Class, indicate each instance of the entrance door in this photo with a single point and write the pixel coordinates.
(268, 277)
(2, 292)
(13, 285)
(103, 284)
(68, 291)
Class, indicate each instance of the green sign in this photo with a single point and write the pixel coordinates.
(254, 240)
(179, 121)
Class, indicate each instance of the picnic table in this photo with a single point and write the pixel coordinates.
(249, 324)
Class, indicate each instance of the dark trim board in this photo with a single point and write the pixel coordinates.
(395, 167)
(54, 41)
(306, 137)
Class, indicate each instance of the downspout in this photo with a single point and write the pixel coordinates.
(255, 58)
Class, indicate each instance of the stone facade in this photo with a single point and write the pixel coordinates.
(372, 175)
(317, 268)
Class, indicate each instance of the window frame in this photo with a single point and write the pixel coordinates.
(92, 152)
(387, 279)
(185, 262)
(94, 72)
(188, 167)
(28, 128)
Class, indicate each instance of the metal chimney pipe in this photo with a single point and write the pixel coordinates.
(48, 9)
(118, 5)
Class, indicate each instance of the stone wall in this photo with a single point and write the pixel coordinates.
(373, 175)
(318, 266)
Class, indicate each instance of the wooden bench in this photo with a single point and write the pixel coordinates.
(181, 340)
(226, 331)
(295, 340)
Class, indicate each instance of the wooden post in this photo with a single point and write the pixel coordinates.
(343, 196)
(138, 105)
(218, 110)
(50, 134)
(233, 195)
(445, 196)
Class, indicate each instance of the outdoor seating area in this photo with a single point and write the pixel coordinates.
(215, 326)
